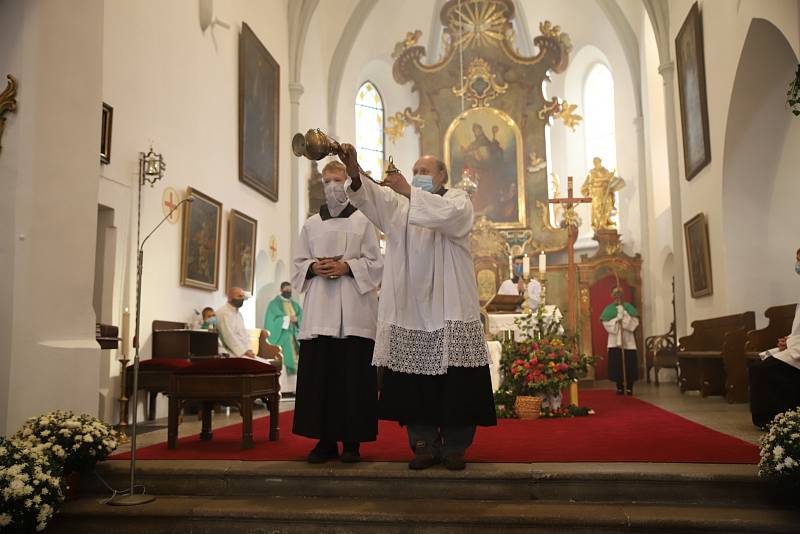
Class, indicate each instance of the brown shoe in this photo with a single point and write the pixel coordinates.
(423, 457)
(455, 461)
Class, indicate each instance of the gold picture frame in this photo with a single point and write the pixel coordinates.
(497, 162)
(202, 221)
(698, 256)
(105, 134)
(240, 258)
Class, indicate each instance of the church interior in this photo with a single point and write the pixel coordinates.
(623, 155)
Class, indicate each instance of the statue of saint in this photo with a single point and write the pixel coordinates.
(601, 184)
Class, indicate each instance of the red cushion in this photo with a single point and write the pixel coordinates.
(229, 366)
(165, 363)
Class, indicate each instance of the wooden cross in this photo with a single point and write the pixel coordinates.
(570, 202)
(169, 203)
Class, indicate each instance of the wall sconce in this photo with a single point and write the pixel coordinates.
(151, 167)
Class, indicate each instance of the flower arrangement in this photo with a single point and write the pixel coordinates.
(77, 442)
(30, 490)
(780, 449)
(541, 364)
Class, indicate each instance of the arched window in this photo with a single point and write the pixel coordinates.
(369, 130)
(598, 120)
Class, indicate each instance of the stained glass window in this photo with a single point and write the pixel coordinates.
(369, 130)
(598, 120)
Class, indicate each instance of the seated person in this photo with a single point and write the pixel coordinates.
(516, 285)
(233, 335)
(775, 380)
(209, 319)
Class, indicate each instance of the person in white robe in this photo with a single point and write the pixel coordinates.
(430, 339)
(621, 319)
(233, 334)
(516, 285)
(775, 379)
(339, 267)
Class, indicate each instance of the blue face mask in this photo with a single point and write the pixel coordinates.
(518, 270)
(797, 267)
(211, 321)
(424, 182)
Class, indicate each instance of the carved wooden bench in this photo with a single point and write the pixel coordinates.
(700, 355)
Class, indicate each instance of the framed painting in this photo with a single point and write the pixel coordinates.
(105, 134)
(240, 264)
(698, 255)
(487, 144)
(202, 221)
(259, 98)
(692, 92)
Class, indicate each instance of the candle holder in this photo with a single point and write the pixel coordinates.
(543, 284)
(122, 427)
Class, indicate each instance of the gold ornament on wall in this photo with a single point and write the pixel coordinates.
(400, 120)
(480, 85)
(8, 103)
(561, 110)
(479, 23)
(602, 185)
(411, 40)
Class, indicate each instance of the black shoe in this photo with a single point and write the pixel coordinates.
(620, 391)
(455, 461)
(324, 451)
(630, 392)
(350, 454)
(423, 457)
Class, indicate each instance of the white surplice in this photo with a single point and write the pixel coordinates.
(791, 354)
(534, 293)
(621, 330)
(348, 305)
(428, 316)
(233, 333)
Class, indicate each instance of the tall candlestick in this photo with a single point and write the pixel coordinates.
(511, 266)
(526, 267)
(126, 332)
(542, 262)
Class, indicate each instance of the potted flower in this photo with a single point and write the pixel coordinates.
(780, 451)
(76, 442)
(30, 489)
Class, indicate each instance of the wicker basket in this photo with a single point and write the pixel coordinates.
(528, 407)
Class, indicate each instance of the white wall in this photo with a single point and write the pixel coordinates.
(174, 87)
(49, 167)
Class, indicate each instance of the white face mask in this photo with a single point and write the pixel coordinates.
(335, 197)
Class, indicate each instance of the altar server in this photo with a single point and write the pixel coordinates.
(620, 319)
(339, 267)
(430, 338)
(775, 380)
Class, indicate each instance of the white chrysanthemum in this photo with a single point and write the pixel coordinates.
(5, 520)
(777, 452)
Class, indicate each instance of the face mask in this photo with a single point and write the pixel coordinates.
(423, 181)
(335, 197)
(237, 303)
(286, 294)
(211, 321)
(518, 270)
(797, 267)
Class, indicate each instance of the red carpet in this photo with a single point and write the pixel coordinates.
(624, 429)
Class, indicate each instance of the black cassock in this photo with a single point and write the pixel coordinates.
(615, 366)
(337, 394)
(774, 388)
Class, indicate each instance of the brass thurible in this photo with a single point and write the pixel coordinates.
(315, 145)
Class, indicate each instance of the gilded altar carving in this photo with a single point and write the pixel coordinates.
(478, 34)
(8, 103)
(490, 252)
(602, 185)
(399, 121)
(561, 110)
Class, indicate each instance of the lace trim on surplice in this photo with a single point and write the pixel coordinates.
(457, 344)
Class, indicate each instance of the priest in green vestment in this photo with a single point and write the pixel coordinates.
(282, 320)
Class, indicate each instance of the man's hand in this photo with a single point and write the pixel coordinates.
(332, 268)
(521, 286)
(398, 183)
(249, 354)
(782, 343)
(349, 157)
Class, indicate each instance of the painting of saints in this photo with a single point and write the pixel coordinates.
(486, 143)
(201, 237)
(241, 246)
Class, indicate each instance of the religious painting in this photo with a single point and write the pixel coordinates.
(105, 134)
(259, 97)
(240, 266)
(202, 222)
(698, 255)
(486, 144)
(692, 91)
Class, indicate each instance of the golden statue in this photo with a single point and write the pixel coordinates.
(601, 184)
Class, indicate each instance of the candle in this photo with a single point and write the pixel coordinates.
(542, 262)
(510, 266)
(526, 266)
(126, 332)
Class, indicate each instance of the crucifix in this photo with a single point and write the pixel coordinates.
(572, 222)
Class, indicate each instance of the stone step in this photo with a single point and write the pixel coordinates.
(260, 514)
(680, 484)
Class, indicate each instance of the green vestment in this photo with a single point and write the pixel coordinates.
(286, 339)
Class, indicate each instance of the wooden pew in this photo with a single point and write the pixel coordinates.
(701, 353)
(743, 345)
